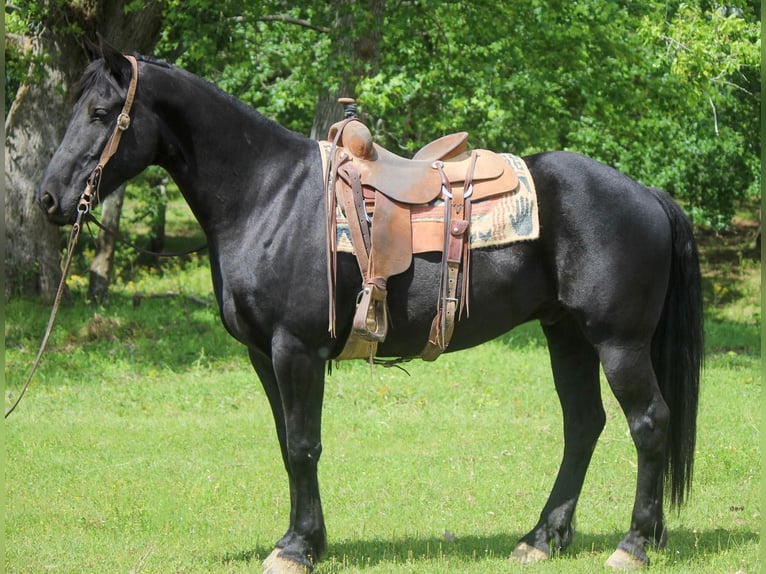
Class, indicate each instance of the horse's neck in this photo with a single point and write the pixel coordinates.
(220, 152)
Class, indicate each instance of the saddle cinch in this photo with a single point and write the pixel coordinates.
(376, 191)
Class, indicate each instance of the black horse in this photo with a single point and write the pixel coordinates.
(613, 279)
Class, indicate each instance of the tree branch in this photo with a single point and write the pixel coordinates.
(286, 20)
(296, 21)
(718, 79)
(715, 113)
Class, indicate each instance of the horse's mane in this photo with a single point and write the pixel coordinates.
(152, 60)
(96, 71)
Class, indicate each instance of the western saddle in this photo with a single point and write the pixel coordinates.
(376, 189)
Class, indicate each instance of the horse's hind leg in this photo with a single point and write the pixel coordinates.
(576, 373)
(631, 376)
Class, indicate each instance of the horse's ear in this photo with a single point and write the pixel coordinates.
(117, 63)
(91, 49)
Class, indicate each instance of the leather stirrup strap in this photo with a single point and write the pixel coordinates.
(352, 200)
(438, 338)
(467, 193)
(457, 221)
(358, 344)
(330, 175)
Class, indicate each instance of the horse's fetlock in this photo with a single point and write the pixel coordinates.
(562, 538)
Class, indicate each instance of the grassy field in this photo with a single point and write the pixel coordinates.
(146, 445)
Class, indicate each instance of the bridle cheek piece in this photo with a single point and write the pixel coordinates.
(90, 193)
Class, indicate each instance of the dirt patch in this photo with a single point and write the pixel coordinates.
(731, 263)
(724, 252)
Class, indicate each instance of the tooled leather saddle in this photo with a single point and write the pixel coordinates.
(376, 190)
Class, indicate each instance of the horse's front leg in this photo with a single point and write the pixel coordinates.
(294, 383)
(265, 371)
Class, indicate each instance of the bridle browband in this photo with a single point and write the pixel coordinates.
(123, 123)
(84, 207)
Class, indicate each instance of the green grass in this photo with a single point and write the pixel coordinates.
(146, 445)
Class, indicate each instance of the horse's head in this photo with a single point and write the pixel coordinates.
(100, 98)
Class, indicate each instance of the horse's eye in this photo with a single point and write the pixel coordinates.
(99, 114)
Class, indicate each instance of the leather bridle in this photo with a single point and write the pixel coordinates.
(123, 123)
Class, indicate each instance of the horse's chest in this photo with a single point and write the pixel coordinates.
(245, 311)
(255, 299)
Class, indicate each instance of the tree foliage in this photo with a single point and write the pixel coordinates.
(671, 97)
(45, 56)
(664, 90)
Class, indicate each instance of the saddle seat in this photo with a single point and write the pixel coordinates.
(417, 181)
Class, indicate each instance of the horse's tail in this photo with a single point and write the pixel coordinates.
(677, 350)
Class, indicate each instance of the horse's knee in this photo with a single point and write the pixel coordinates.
(582, 429)
(594, 423)
(304, 454)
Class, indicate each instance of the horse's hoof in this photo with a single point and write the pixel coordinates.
(276, 565)
(270, 558)
(526, 554)
(621, 560)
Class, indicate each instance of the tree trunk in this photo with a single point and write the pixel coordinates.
(157, 234)
(37, 120)
(35, 124)
(356, 35)
(101, 268)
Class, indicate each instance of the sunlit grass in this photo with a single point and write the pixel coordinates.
(154, 445)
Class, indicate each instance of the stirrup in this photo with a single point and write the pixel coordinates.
(371, 317)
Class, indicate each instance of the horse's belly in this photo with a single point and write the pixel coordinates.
(507, 287)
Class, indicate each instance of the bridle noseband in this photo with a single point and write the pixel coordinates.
(123, 123)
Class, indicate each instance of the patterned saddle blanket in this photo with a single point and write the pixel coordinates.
(496, 220)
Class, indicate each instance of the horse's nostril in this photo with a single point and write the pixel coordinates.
(49, 203)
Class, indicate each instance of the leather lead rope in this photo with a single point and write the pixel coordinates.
(121, 238)
(75, 233)
(84, 207)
